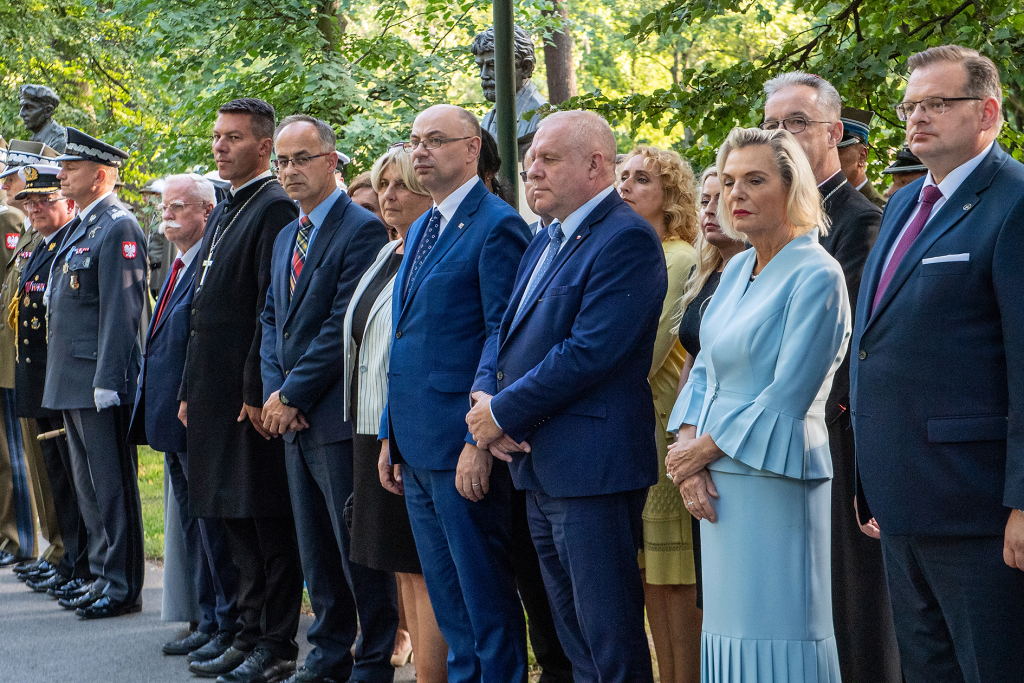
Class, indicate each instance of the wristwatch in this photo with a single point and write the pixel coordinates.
(284, 401)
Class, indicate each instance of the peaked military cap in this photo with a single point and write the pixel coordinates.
(24, 152)
(856, 126)
(906, 162)
(82, 147)
(39, 179)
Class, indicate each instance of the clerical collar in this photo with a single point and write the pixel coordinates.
(261, 176)
(822, 184)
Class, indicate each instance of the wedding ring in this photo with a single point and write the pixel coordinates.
(689, 504)
(476, 484)
(669, 475)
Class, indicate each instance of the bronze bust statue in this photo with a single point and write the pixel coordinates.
(528, 98)
(37, 105)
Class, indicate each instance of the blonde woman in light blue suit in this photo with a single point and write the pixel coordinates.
(752, 458)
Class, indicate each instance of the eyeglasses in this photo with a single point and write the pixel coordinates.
(524, 175)
(794, 124)
(42, 203)
(929, 105)
(297, 162)
(175, 207)
(428, 143)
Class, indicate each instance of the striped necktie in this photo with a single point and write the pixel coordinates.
(427, 243)
(555, 239)
(299, 255)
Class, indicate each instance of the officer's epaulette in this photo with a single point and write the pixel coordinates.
(116, 212)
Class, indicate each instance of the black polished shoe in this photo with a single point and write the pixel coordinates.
(55, 581)
(261, 666)
(81, 601)
(107, 607)
(75, 588)
(224, 664)
(39, 565)
(193, 641)
(217, 646)
(8, 560)
(304, 675)
(38, 576)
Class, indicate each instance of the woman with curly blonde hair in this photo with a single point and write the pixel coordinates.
(659, 185)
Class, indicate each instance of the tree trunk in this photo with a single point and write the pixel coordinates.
(558, 58)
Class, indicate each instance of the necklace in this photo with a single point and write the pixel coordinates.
(836, 189)
(218, 234)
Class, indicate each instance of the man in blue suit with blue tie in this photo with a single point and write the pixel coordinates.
(450, 295)
(186, 204)
(937, 382)
(318, 261)
(572, 409)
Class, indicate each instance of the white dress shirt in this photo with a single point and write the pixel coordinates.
(450, 204)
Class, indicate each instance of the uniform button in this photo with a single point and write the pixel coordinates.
(863, 354)
(501, 375)
(287, 372)
(398, 335)
(28, 360)
(286, 335)
(193, 333)
(193, 311)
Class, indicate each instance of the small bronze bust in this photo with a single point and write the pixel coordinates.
(528, 98)
(37, 105)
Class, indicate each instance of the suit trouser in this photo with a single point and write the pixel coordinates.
(319, 484)
(464, 551)
(105, 468)
(215, 577)
(75, 561)
(587, 548)
(269, 583)
(540, 623)
(41, 493)
(17, 512)
(958, 609)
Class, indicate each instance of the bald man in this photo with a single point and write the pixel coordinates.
(572, 409)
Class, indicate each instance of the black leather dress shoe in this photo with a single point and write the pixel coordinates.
(304, 675)
(8, 560)
(44, 585)
(107, 607)
(81, 601)
(261, 666)
(193, 641)
(218, 645)
(38, 576)
(75, 588)
(39, 565)
(226, 663)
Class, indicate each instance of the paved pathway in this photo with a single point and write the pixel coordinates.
(40, 642)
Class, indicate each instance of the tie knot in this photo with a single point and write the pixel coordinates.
(177, 265)
(555, 231)
(931, 194)
(305, 223)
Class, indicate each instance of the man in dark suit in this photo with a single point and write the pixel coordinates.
(50, 213)
(318, 261)
(186, 204)
(236, 469)
(809, 108)
(567, 370)
(938, 383)
(97, 288)
(450, 295)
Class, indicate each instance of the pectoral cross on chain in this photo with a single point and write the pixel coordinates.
(206, 268)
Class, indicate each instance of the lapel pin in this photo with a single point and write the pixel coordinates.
(579, 236)
(966, 207)
(460, 225)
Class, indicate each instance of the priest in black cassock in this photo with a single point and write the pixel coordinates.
(236, 471)
(810, 108)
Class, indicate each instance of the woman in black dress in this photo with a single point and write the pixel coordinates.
(381, 534)
(714, 249)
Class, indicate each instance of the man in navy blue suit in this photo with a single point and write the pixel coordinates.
(572, 409)
(450, 294)
(186, 204)
(317, 263)
(938, 383)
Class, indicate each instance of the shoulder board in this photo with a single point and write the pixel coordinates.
(116, 212)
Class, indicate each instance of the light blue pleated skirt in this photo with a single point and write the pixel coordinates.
(767, 582)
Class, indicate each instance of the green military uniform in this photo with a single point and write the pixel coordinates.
(869, 191)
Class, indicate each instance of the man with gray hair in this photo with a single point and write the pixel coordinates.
(37, 105)
(186, 203)
(810, 108)
(563, 395)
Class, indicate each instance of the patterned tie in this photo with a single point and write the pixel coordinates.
(171, 281)
(299, 255)
(554, 244)
(930, 195)
(426, 244)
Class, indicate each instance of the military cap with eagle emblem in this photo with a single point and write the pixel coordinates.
(82, 147)
(24, 152)
(39, 179)
(856, 126)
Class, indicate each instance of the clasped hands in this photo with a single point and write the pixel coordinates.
(275, 419)
(687, 462)
(488, 435)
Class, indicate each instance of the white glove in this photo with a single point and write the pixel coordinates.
(105, 398)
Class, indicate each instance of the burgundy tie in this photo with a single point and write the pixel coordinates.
(173, 280)
(930, 195)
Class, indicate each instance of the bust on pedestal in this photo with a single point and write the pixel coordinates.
(37, 105)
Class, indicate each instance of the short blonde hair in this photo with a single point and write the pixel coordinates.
(679, 191)
(403, 160)
(803, 201)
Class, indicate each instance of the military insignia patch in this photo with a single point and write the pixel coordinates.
(118, 213)
(11, 240)
(31, 174)
(128, 249)
(53, 245)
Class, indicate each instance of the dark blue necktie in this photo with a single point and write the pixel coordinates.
(426, 244)
(554, 244)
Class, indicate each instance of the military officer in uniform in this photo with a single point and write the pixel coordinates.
(11, 218)
(853, 152)
(97, 289)
(50, 213)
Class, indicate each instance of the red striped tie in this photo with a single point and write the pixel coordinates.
(301, 245)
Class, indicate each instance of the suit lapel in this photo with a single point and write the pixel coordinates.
(39, 255)
(324, 236)
(176, 294)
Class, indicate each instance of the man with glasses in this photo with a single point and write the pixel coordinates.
(450, 295)
(810, 108)
(938, 382)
